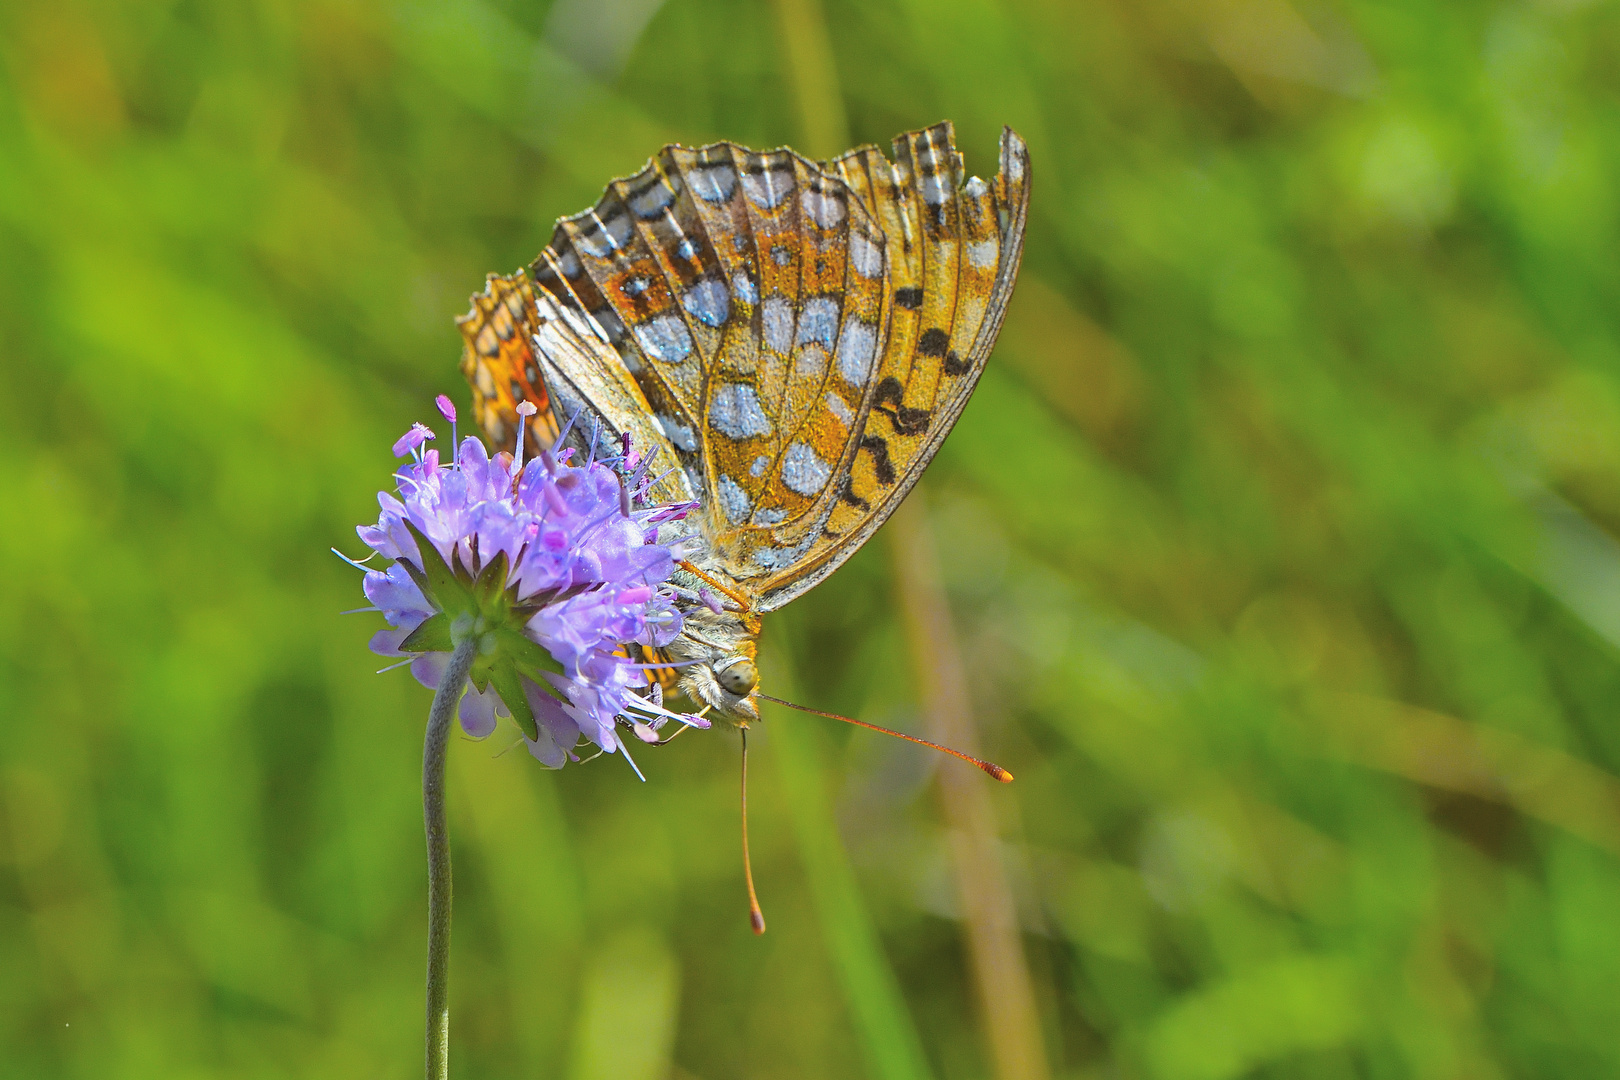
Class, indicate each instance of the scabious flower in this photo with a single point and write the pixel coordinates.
(555, 567)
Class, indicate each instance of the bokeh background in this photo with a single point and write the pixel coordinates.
(1278, 544)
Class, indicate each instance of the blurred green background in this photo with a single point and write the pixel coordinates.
(1279, 535)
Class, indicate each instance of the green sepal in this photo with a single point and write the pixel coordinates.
(530, 656)
(510, 686)
(432, 636)
(443, 589)
(489, 588)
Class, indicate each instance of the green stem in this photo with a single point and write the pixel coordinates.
(438, 848)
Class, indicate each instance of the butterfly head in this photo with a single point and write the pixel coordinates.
(721, 653)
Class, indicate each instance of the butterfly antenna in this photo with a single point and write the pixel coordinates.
(756, 917)
(988, 766)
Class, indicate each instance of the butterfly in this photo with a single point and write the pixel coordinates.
(792, 339)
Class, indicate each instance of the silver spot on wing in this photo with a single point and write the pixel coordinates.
(865, 256)
(601, 237)
(809, 361)
(766, 189)
(982, 254)
(665, 338)
(777, 319)
(818, 321)
(679, 435)
(803, 471)
(840, 408)
(824, 209)
(735, 412)
(734, 501)
(708, 302)
(776, 558)
(651, 200)
(856, 346)
(714, 183)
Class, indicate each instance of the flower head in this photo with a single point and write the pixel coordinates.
(554, 568)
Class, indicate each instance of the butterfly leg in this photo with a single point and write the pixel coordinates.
(742, 602)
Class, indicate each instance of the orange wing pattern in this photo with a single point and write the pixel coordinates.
(498, 360)
(801, 337)
(725, 280)
(952, 250)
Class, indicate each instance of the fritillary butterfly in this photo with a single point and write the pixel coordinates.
(794, 338)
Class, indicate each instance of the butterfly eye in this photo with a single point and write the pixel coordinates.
(737, 675)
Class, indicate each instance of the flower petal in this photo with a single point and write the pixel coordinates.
(478, 711)
(429, 668)
(386, 642)
(546, 751)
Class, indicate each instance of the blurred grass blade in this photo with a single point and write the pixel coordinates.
(531, 883)
(823, 127)
(627, 1010)
(888, 1038)
(1579, 564)
(1012, 1025)
(1486, 762)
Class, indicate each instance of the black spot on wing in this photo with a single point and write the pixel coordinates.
(909, 421)
(888, 392)
(878, 447)
(906, 420)
(934, 342)
(847, 493)
(909, 297)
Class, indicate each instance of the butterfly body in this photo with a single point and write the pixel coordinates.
(719, 653)
(789, 341)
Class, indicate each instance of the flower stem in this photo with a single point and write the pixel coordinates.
(438, 849)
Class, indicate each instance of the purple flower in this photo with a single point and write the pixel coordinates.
(556, 568)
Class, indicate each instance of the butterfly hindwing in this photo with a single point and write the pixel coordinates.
(779, 434)
(952, 249)
(744, 293)
(798, 338)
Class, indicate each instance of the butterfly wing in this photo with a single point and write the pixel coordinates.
(952, 250)
(574, 376)
(800, 337)
(744, 293)
(498, 360)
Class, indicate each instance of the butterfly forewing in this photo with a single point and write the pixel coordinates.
(498, 360)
